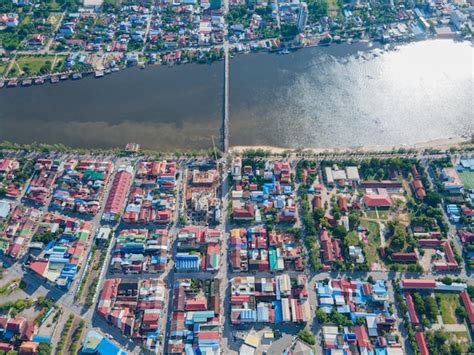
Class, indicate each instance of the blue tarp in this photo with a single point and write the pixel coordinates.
(42, 338)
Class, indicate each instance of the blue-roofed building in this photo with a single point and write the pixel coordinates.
(187, 262)
(278, 311)
(96, 343)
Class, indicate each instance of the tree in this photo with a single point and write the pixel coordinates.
(461, 312)
(44, 348)
(431, 308)
(470, 291)
(455, 349)
(432, 198)
(317, 9)
(322, 316)
(340, 231)
(307, 337)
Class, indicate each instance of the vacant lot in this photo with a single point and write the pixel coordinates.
(34, 65)
(373, 236)
(448, 303)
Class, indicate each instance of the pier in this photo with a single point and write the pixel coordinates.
(225, 109)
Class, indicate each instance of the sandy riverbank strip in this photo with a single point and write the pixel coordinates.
(440, 144)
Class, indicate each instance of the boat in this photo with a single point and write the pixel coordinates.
(284, 51)
(54, 79)
(107, 71)
(76, 76)
(39, 81)
(26, 82)
(99, 74)
(12, 83)
(115, 69)
(2, 84)
(64, 77)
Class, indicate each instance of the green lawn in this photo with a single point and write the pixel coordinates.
(3, 67)
(35, 63)
(381, 214)
(374, 240)
(373, 227)
(467, 178)
(26, 21)
(448, 303)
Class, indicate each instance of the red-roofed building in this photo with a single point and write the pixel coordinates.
(419, 189)
(411, 309)
(466, 236)
(117, 195)
(196, 304)
(466, 300)
(330, 247)
(342, 203)
(28, 348)
(421, 341)
(6, 347)
(246, 213)
(418, 283)
(377, 201)
(39, 266)
(409, 257)
(362, 337)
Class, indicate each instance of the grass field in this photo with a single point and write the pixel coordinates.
(35, 63)
(467, 178)
(3, 67)
(448, 303)
(374, 240)
(381, 214)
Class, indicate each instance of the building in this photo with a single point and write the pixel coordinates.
(451, 181)
(377, 201)
(117, 195)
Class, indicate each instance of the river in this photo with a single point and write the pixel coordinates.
(342, 95)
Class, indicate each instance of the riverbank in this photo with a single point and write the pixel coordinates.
(438, 144)
(172, 58)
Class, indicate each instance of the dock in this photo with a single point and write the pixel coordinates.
(225, 114)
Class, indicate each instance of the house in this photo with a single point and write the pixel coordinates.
(36, 39)
(458, 19)
(9, 20)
